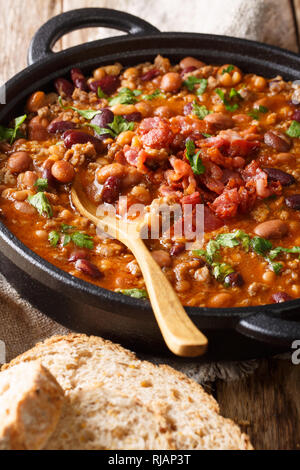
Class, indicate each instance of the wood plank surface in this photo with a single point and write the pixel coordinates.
(267, 403)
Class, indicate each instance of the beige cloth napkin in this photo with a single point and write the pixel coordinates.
(21, 325)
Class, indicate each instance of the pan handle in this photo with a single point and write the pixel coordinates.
(45, 38)
(273, 330)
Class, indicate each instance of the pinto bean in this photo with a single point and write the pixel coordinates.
(19, 162)
(278, 141)
(37, 129)
(293, 201)
(24, 207)
(28, 178)
(114, 169)
(36, 101)
(171, 82)
(219, 120)
(163, 112)
(275, 228)
(64, 87)
(88, 268)
(60, 126)
(280, 297)
(191, 62)
(278, 175)
(63, 171)
(220, 300)
(162, 258)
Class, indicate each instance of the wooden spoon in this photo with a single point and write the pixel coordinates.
(180, 334)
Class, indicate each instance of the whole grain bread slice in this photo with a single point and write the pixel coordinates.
(30, 406)
(116, 401)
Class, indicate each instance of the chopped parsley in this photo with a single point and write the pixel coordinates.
(53, 238)
(294, 129)
(156, 94)
(221, 270)
(191, 81)
(86, 113)
(228, 69)
(125, 96)
(115, 128)
(194, 158)
(100, 93)
(9, 133)
(232, 94)
(135, 293)
(80, 239)
(83, 240)
(256, 112)
(200, 110)
(41, 184)
(41, 203)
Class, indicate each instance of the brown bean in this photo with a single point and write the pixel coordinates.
(171, 82)
(64, 87)
(220, 300)
(278, 141)
(274, 174)
(114, 169)
(280, 297)
(79, 79)
(37, 129)
(219, 120)
(163, 111)
(73, 137)
(63, 171)
(177, 249)
(234, 279)
(24, 207)
(60, 126)
(111, 189)
(78, 254)
(19, 162)
(88, 268)
(28, 178)
(191, 62)
(36, 101)
(293, 201)
(162, 258)
(275, 228)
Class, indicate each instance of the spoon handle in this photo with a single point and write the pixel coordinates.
(181, 335)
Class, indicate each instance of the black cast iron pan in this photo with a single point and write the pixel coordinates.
(233, 332)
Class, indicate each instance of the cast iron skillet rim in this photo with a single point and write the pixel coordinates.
(89, 288)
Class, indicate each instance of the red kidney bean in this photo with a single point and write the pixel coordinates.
(278, 175)
(133, 117)
(60, 126)
(103, 119)
(191, 68)
(279, 297)
(150, 75)
(111, 189)
(88, 268)
(278, 141)
(177, 249)
(187, 109)
(293, 201)
(73, 137)
(108, 84)
(296, 115)
(63, 86)
(46, 172)
(78, 254)
(79, 79)
(234, 280)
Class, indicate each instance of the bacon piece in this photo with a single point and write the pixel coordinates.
(131, 155)
(254, 173)
(156, 133)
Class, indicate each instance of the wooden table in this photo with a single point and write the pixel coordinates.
(267, 403)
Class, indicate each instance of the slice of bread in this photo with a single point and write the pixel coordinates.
(30, 406)
(115, 401)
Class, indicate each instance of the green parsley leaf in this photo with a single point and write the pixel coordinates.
(10, 134)
(194, 158)
(100, 130)
(120, 124)
(86, 113)
(65, 228)
(125, 96)
(135, 293)
(83, 240)
(260, 245)
(191, 81)
(294, 129)
(156, 94)
(200, 111)
(41, 184)
(279, 249)
(100, 93)
(53, 238)
(228, 69)
(202, 87)
(66, 239)
(40, 202)
(228, 106)
(276, 267)
(221, 270)
(255, 113)
(206, 135)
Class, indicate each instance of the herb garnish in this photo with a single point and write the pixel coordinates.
(115, 128)
(228, 69)
(191, 81)
(135, 293)
(100, 93)
(41, 184)
(41, 203)
(194, 158)
(80, 239)
(86, 113)
(255, 113)
(125, 96)
(156, 94)
(9, 133)
(294, 129)
(200, 110)
(232, 94)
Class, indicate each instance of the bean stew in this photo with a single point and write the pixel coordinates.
(186, 134)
